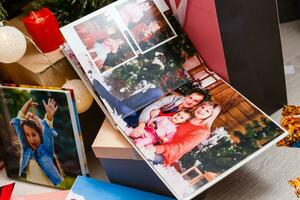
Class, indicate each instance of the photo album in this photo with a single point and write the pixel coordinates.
(42, 137)
(191, 127)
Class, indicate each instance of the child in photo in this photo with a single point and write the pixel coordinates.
(161, 129)
(38, 162)
(143, 32)
(100, 50)
(188, 135)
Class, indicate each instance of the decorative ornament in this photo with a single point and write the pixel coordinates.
(12, 44)
(82, 96)
(295, 183)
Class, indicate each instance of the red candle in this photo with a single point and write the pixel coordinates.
(44, 29)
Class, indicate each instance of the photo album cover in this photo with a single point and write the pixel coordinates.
(189, 126)
(41, 136)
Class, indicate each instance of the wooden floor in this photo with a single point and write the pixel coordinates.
(266, 176)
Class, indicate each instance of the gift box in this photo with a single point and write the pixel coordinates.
(122, 164)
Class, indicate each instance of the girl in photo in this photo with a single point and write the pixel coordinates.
(38, 162)
(161, 129)
(101, 49)
(188, 135)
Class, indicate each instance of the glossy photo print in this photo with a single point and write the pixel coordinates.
(127, 87)
(146, 23)
(37, 127)
(105, 43)
(199, 132)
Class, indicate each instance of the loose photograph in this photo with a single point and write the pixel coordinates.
(36, 128)
(106, 44)
(147, 25)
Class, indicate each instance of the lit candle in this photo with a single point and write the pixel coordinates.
(44, 29)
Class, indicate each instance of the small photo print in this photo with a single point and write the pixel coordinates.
(104, 41)
(36, 128)
(194, 134)
(146, 23)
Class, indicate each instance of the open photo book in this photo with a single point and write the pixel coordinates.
(189, 126)
(40, 136)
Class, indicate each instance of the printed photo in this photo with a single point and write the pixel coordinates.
(147, 25)
(194, 134)
(36, 129)
(104, 41)
(143, 80)
(189, 125)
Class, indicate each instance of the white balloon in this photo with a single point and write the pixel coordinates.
(12, 44)
(83, 97)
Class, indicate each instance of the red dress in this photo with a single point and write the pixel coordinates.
(187, 137)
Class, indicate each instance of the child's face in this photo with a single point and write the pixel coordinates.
(153, 27)
(32, 137)
(204, 111)
(180, 117)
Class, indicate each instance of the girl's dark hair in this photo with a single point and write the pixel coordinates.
(33, 125)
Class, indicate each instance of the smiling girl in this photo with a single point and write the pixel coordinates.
(36, 137)
(189, 134)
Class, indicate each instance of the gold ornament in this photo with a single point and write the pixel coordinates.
(83, 97)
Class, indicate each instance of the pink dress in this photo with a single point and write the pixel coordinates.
(160, 129)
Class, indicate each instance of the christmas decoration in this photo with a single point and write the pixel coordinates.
(13, 44)
(225, 153)
(291, 122)
(290, 110)
(217, 135)
(295, 183)
(83, 98)
(3, 12)
(191, 87)
(160, 68)
(64, 10)
(44, 30)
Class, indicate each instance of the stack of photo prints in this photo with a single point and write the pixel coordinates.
(189, 126)
(40, 136)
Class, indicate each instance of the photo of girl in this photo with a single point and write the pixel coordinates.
(104, 41)
(36, 137)
(189, 134)
(160, 129)
(147, 25)
(37, 125)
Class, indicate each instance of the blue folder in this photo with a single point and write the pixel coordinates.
(92, 189)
